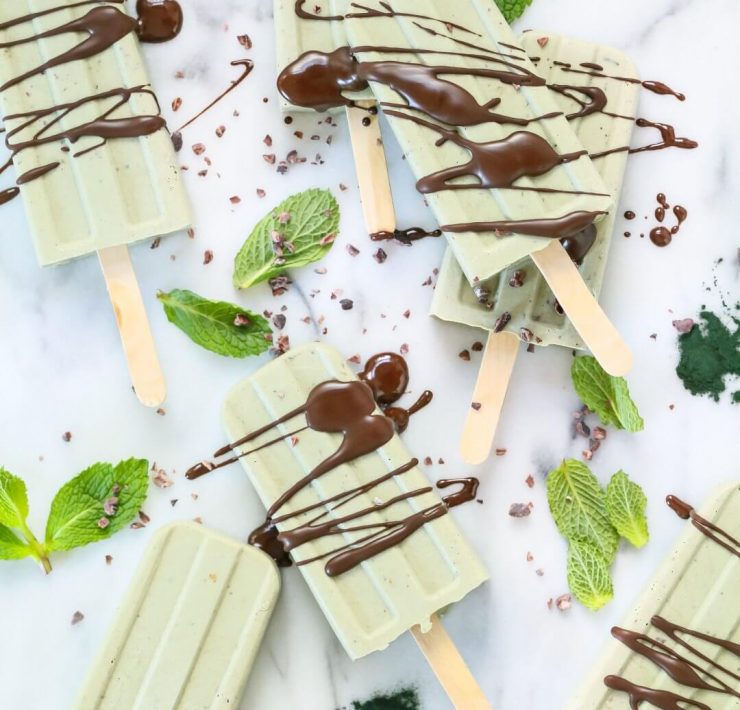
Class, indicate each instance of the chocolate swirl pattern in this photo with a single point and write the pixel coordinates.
(348, 409)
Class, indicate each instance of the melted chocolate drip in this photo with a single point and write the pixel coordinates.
(467, 492)
(662, 699)
(104, 26)
(247, 65)
(405, 236)
(158, 20)
(318, 79)
(668, 139)
(704, 526)
(554, 228)
(579, 244)
(387, 375)
(8, 194)
(658, 87)
(401, 416)
(591, 99)
(496, 164)
(346, 408)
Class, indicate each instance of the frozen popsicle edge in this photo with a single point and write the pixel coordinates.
(111, 117)
(346, 503)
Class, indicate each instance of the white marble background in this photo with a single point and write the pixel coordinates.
(62, 369)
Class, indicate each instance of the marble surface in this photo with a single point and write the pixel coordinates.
(62, 369)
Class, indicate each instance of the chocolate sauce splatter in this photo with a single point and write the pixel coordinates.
(704, 526)
(247, 65)
(405, 236)
(346, 408)
(638, 694)
(660, 235)
(158, 20)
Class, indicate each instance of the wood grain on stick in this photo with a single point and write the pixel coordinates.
(451, 670)
(583, 310)
(133, 325)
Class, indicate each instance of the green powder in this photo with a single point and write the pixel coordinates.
(710, 352)
(405, 699)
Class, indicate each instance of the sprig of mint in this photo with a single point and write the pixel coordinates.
(592, 521)
(626, 504)
(606, 395)
(299, 231)
(512, 9)
(218, 326)
(91, 507)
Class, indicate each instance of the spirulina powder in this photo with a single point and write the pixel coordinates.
(710, 352)
(405, 699)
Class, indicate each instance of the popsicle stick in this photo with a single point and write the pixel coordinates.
(490, 392)
(450, 668)
(371, 168)
(583, 310)
(133, 325)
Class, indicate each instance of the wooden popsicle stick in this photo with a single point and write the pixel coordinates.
(490, 392)
(371, 168)
(450, 668)
(133, 325)
(583, 310)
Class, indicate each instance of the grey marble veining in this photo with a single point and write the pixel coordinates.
(62, 369)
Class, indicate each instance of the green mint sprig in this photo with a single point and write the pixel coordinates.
(94, 505)
(592, 520)
(218, 326)
(512, 9)
(299, 231)
(607, 396)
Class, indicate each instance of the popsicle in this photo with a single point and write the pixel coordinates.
(189, 629)
(517, 303)
(303, 27)
(680, 644)
(93, 159)
(374, 542)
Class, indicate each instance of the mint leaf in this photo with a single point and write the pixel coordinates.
(625, 504)
(588, 575)
(218, 326)
(512, 9)
(607, 396)
(13, 500)
(11, 546)
(78, 517)
(297, 232)
(578, 506)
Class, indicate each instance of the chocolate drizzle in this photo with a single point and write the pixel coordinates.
(704, 526)
(247, 65)
(158, 20)
(103, 25)
(684, 670)
(346, 408)
(405, 236)
(554, 228)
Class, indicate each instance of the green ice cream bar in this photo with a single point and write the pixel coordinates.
(491, 151)
(305, 28)
(690, 612)
(373, 499)
(189, 628)
(92, 155)
(520, 292)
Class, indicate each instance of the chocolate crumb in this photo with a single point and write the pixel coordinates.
(477, 346)
(406, 314)
(519, 510)
(155, 244)
(352, 250)
(346, 304)
(207, 257)
(67, 436)
(563, 602)
(235, 199)
(501, 322)
(599, 433)
(539, 572)
(260, 192)
(380, 256)
(356, 359)
(279, 320)
(685, 325)
(267, 140)
(176, 103)
(464, 355)
(427, 460)
(404, 349)
(199, 148)
(501, 452)
(529, 480)
(220, 131)
(161, 479)
(476, 405)
(108, 559)
(77, 617)
(245, 41)
(530, 556)
(517, 280)
(176, 139)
